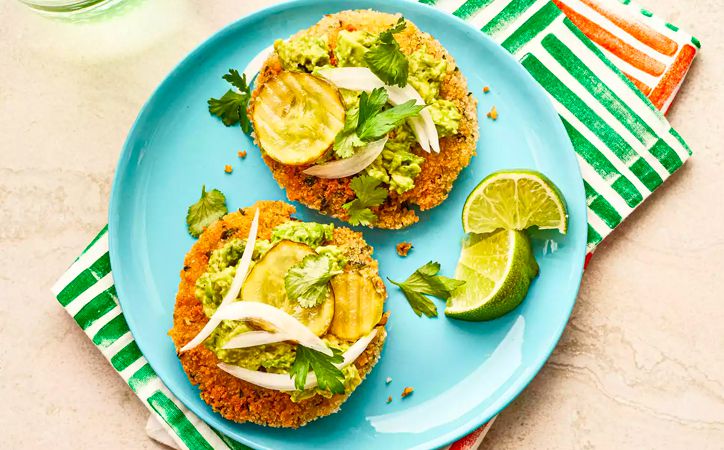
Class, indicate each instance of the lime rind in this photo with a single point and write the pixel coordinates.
(496, 281)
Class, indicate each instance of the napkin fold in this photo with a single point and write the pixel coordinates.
(610, 69)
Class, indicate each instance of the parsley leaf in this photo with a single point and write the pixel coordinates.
(386, 60)
(426, 280)
(210, 208)
(308, 281)
(368, 194)
(231, 107)
(329, 377)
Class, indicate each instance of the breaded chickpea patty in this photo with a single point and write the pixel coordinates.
(233, 398)
(439, 170)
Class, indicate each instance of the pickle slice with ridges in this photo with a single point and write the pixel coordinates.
(265, 284)
(357, 305)
(296, 117)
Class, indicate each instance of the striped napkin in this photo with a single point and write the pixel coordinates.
(608, 89)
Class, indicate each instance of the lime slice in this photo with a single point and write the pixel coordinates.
(515, 200)
(498, 269)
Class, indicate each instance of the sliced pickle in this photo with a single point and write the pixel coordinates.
(357, 305)
(265, 284)
(296, 117)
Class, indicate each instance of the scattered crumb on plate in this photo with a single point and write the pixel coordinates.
(407, 391)
(403, 248)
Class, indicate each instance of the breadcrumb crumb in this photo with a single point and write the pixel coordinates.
(486, 89)
(493, 114)
(407, 391)
(389, 399)
(228, 169)
(403, 248)
(242, 154)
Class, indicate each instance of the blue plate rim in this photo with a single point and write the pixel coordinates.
(219, 423)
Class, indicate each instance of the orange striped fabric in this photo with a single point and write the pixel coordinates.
(653, 54)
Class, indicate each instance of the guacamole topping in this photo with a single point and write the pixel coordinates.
(426, 73)
(352, 46)
(309, 233)
(446, 116)
(271, 358)
(397, 166)
(303, 53)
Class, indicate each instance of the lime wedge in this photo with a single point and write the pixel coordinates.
(498, 269)
(515, 200)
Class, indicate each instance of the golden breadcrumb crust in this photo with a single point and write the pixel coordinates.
(235, 399)
(439, 170)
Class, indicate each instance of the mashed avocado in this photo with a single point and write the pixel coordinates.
(446, 116)
(397, 166)
(303, 53)
(309, 233)
(426, 73)
(352, 46)
(213, 284)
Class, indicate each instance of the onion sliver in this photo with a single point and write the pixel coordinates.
(254, 338)
(243, 268)
(349, 166)
(283, 382)
(352, 78)
(248, 310)
(400, 95)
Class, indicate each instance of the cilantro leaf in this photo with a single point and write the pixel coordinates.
(236, 80)
(329, 377)
(371, 104)
(347, 139)
(367, 190)
(426, 281)
(231, 107)
(386, 60)
(368, 194)
(210, 208)
(308, 281)
(381, 124)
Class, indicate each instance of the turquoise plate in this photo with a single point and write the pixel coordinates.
(463, 373)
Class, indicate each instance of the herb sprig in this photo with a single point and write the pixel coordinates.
(426, 281)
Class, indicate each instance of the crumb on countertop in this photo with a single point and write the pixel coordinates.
(493, 114)
(407, 391)
(403, 248)
(242, 154)
(388, 380)
(227, 168)
(486, 89)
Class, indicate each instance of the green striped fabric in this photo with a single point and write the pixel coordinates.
(625, 147)
(87, 293)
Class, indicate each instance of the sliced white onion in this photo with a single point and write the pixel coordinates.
(242, 269)
(252, 69)
(362, 79)
(352, 78)
(249, 310)
(254, 338)
(349, 166)
(283, 382)
(274, 381)
(357, 348)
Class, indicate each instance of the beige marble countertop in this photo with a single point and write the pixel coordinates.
(641, 364)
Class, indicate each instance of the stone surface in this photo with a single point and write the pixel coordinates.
(641, 364)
